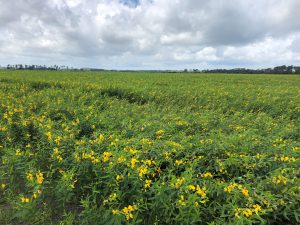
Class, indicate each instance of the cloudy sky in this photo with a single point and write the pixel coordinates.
(150, 34)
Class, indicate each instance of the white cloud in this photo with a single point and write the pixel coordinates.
(207, 54)
(269, 51)
(152, 34)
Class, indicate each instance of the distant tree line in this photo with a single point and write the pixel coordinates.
(276, 70)
(35, 67)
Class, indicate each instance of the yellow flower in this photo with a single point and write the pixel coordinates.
(58, 140)
(29, 176)
(49, 136)
(208, 141)
(178, 162)
(119, 177)
(237, 211)
(59, 158)
(24, 200)
(192, 187)
(34, 195)
(167, 155)
(18, 152)
(146, 141)
(181, 201)
(179, 182)
(112, 197)
(203, 201)
(284, 158)
(132, 151)
(159, 134)
(257, 208)
(245, 192)
(3, 186)
(230, 188)
(106, 156)
(201, 191)
(207, 175)
(115, 211)
(129, 216)
(133, 162)
(55, 150)
(39, 178)
(149, 162)
(128, 211)
(247, 212)
(101, 137)
(142, 170)
(121, 159)
(280, 180)
(147, 183)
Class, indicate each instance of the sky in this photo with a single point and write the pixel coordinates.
(150, 34)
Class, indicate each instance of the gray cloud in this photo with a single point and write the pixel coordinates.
(150, 33)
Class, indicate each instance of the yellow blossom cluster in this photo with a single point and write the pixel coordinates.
(25, 200)
(147, 184)
(280, 180)
(18, 152)
(233, 186)
(248, 212)
(142, 170)
(179, 182)
(207, 175)
(106, 156)
(133, 162)
(283, 158)
(159, 134)
(181, 200)
(206, 141)
(128, 211)
(57, 155)
(200, 191)
(119, 177)
(92, 157)
(39, 177)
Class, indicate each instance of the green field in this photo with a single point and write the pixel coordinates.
(149, 148)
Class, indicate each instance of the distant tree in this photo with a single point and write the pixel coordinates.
(297, 70)
(31, 67)
(290, 69)
(280, 69)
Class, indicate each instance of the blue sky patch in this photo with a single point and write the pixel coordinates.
(130, 3)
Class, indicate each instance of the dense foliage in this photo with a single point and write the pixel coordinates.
(121, 148)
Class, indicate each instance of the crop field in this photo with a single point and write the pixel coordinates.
(149, 148)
